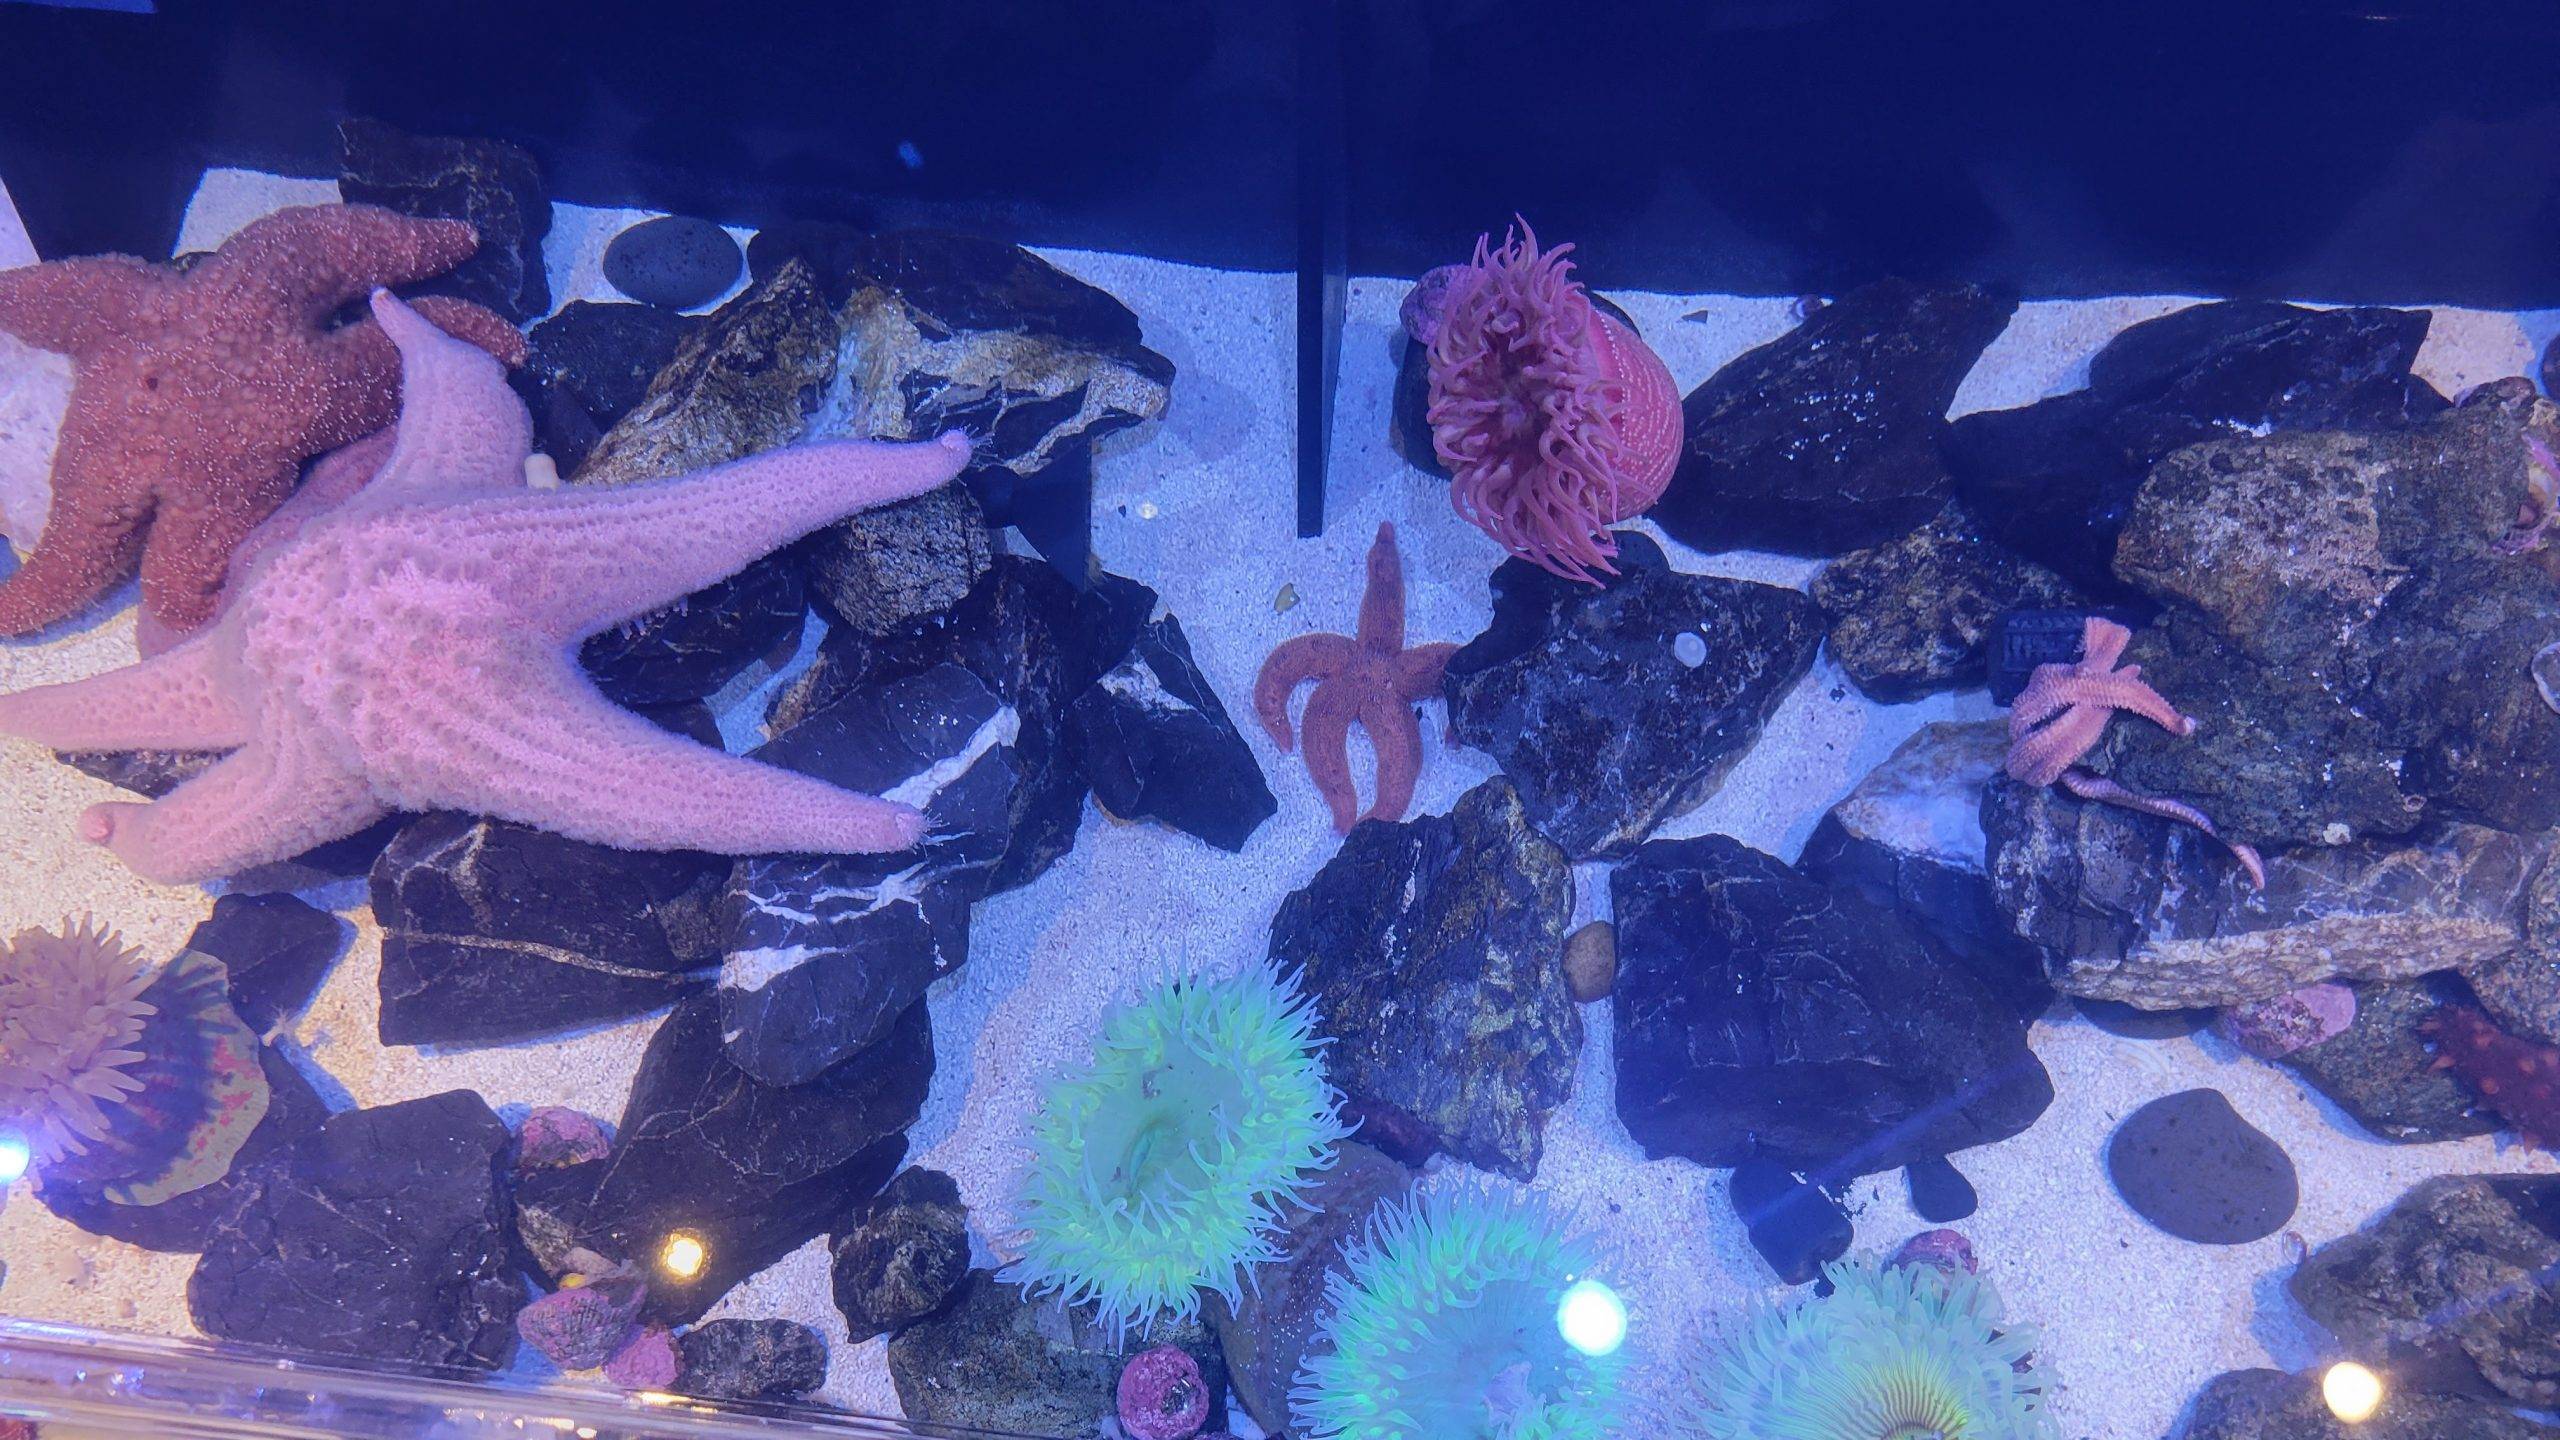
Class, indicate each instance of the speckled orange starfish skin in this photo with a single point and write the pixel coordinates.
(196, 396)
(1369, 677)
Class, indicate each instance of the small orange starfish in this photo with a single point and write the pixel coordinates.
(2063, 711)
(1371, 678)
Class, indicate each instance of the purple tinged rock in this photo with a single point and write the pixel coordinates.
(1945, 1249)
(555, 1135)
(584, 1326)
(2288, 1022)
(646, 1362)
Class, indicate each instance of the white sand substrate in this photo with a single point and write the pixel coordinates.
(1201, 506)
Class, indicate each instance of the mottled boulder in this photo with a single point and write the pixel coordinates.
(1272, 1330)
(587, 366)
(2055, 480)
(774, 1361)
(744, 381)
(2272, 1405)
(1826, 439)
(1156, 744)
(1761, 1013)
(2521, 990)
(753, 1171)
(1000, 1360)
(276, 949)
(1910, 616)
(1584, 698)
(1429, 947)
(677, 261)
(493, 932)
(823, 953)
(687, 650)
(901, 1255)
(2381, 1069)
(383, 1236)
(2456, 1287)
(2191, 1165)
(892, 566)
(496, 186)
(2135, 908)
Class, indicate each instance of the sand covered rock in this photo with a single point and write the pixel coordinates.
(1429, 947)
(1826, 439)
(2456, 1287)
(496, 186)
(1583, 695)
(1000, 1360)
(1910, 616)
(1762, 1013)
(2272, 1405)
(901, 1255)
(1156, 743)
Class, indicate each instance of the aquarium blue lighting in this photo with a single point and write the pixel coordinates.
(13, 1157)
(1592, 1318)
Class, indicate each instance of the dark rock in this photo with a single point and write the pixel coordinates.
(690, 649)
(342, 859)
(494, 932)
(2381, 1071)
(675, 261)
(1000, 1360)
(775, 1361)
(2521, 990)
(2272, 1405)
(382, 1236)
(2134, 1023)
(956, 332)
(1912, 615)
(277, 950)
(890, 567)
(1795, 1225)
(1408, 410)
(588, 366)
(1272, 1330)
(1760, 1013)
(901, 1255)
(2357, 657)
(2136, 908)
(691, 719)
(1429, 947)
(1826, 439)
(744, 381)
(1908, 838)
(2055, 480)
(753, 1171)
(2456, 1287)
(1156, 744)
(2189, 1164)
(1939, 1192)
(496, 186)
(822, 953)
(1577, 691)
(144, 772)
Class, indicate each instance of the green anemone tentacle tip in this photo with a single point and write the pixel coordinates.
(1443, 1326)
(1904, 1352)
(1158, 1170)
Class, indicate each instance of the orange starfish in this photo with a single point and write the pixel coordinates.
(2063, 711)
(197, 396)
(1371, 678)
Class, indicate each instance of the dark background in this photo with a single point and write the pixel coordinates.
(2311, 148)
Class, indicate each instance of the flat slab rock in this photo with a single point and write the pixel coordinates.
(1585, 698)
(2272, 1405)
(2134, 908)
(384, 1236)
(2189, 1164)
(1000, 1360)
(1762, 1013)
(1430, 947)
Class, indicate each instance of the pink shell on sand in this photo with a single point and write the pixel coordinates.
(1162, 1396)
(2288, 1022)
(555, 1136)
(1944, 1249)
(646, 1362)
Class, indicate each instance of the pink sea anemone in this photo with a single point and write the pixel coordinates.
(1554, 419)
(70, 1013)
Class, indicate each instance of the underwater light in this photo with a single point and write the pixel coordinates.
(682, 1257)
(2353, 1392)
(1592, 1318)
(14, 1154)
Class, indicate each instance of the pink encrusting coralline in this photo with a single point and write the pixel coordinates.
(1554, 419)
(2516, 1079)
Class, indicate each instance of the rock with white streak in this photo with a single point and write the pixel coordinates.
(1156, 743)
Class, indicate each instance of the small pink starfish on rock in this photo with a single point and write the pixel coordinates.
(2063, 711)
(1371, 678)
(413, 647)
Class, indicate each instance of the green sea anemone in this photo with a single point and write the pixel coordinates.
(1911, 1352)
(1159, 1169)
(70, 1015)
(1443, 1326)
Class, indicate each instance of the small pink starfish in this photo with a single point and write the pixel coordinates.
(2063, 711)
(1371, 678)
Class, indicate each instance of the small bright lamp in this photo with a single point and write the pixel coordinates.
(2353, 1392)
(1592, 1318)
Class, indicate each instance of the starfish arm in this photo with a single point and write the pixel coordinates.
(578, 560)
(534, 742)
(187, 553)
(264, 802)
(335, 478)
(173, 701)
(2124, 690)
(461, 429)
(1325, 735)
(72, 305)
(1397, 737)
(2039, 755)
(1294, 663)
(1381, 627)
(1418, 670)
(92, 536)
(2108, 792)
(2102, 643)
(311, 259)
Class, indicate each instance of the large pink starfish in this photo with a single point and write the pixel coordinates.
(2063, 711)
(1371, 678)
(413, 648)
